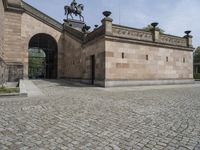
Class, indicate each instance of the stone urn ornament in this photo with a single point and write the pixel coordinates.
(187, 32)
(86, 28)
(154, 24)
(107, 13)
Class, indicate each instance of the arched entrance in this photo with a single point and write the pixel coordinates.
(42, 57)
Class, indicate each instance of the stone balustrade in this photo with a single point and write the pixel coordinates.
(154, 36)
(132, 33)
(172, 40)
(138, 34)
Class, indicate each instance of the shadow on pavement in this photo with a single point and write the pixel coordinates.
(62, 82)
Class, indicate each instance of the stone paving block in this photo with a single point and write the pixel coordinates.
(95, 118)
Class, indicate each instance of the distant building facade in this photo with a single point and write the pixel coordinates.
(110, 55)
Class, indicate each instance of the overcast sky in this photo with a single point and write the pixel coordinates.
(174, 16)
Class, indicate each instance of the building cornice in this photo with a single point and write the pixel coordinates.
(42, 17)
(12, 7)
(24, 7)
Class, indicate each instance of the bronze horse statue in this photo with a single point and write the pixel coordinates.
(77, 10)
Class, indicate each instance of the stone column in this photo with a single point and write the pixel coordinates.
(107, 23)
(156, 35)
(155, 32)
(188, 38)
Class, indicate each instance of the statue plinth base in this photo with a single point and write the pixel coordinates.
(76, 24)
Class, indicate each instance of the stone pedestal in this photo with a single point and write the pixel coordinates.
(156, 34)
(76, 24)
(107, 23)
(15, 71)
(189, 40)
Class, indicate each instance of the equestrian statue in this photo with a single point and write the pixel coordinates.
(75, 9)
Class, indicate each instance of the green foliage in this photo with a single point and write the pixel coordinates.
(36, 52)
(197, 76)
(150, 28)
(197, 55)
(37, 60)
(4, 90)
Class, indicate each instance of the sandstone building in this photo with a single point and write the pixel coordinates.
(110, 55)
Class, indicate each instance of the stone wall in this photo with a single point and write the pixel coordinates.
(20, 27)
(31, 26)
(72, 68)
(13, 49)
(3, 72)
(15, 71)
(12, 37)
(77, 59)
(96, 48)
(136, 57)
(129, 61)
(1, 27)
(121, 53)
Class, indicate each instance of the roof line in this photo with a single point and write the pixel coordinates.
(42, 16)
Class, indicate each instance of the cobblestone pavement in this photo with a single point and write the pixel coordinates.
(75, 117)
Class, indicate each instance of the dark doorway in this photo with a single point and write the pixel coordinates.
(45, 65)
(92, 69)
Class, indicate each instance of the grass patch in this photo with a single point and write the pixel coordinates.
(4, 90)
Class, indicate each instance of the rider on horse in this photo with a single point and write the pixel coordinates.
(74, 5)
(75, 9)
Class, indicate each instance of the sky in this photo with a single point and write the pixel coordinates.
(174, 16)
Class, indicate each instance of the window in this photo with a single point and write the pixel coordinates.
(147, 57)
(167, 59)
(123, 55)
(183, 60)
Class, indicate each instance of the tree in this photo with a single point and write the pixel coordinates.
(197, 54)
(150, 28)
